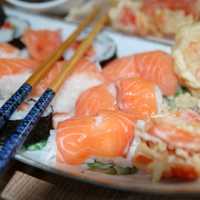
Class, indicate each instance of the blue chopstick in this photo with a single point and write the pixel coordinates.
(13, 102)
(17, 138)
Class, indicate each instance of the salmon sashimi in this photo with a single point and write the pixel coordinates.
(169, 145)
(120, 68)
(84, 76)
(105, 135)
(156, 66)
(16, 66)
(139, 97)
(95, 99)
(41, 43)
(8, 51)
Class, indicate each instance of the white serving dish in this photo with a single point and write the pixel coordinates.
(137, 182)
(56, 6)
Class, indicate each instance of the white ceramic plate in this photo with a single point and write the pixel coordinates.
(58, 5)
(137, 182)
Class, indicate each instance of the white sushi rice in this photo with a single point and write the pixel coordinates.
(61, 117)
(14, 54)
(66, 98)
(159, 99)
(46, 155)
(11, 83)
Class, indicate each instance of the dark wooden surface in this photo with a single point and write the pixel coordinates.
(24, 185)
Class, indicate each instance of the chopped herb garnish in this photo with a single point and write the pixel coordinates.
(111, 168)
(181, 90)
(37, 146)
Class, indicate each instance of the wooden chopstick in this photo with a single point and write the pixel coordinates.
(16, 139)
(18, 97)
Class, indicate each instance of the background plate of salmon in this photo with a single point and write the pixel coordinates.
(42, 158)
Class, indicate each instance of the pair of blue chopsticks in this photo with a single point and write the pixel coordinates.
(17, 138)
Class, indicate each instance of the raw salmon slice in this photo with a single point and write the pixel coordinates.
(95, 99)
(156, 66)
(138, 97)
(16, 66)
(105, 135)
(41, 43)
(120, 68)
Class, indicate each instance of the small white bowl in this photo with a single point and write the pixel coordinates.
(52, 5)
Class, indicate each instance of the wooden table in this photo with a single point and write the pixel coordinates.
(22, 182)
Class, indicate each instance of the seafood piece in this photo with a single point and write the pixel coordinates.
(95, 99)
(139, 97)
(168, 146)
(156, 66)
(106, 135)
(120, 68)
(187, 57)
(13, 72)
(41, 43)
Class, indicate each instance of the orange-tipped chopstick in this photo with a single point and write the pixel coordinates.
(17, 138)
(16, 99)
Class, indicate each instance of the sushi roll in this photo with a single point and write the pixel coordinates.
(39, 133)
(103, 49)
(13, 28)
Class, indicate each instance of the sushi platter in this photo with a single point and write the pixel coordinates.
(121, 158)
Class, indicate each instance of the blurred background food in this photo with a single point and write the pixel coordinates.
(160, 18)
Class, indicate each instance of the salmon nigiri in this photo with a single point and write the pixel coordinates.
(156, 66)
(84, 76)
(95, 99)
(139, 97)
(13, 72)
(105, 135)
(41, 43)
